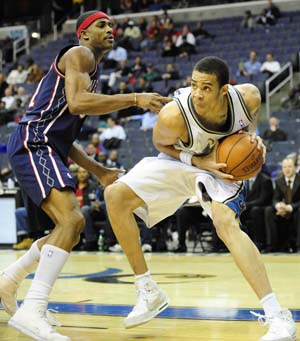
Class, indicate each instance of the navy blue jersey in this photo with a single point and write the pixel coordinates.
(48, 118)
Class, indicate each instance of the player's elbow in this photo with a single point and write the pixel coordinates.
(75, 108)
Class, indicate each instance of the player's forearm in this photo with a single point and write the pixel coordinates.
(97, 104)
(83, 160)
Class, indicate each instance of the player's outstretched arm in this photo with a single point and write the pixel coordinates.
(105, 175)
(77, 64)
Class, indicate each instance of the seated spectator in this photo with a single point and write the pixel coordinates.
(17, 76)
(153, 34)
(270, 66)
(9, 99)
(186, 42)
(112, 136)
(248, 21)
(251, 67)
(170, 73)
(167, 24)
(270, 15)
(112, 160)
(122, 70)
(6, 115)
(101, 158)
(152, 74)
(200, 31)
(22, 96)
(138, 68)
(259, 196)
(95, 140)
(91, 151)
(282, 218)
(142, 85)
(132, 31)
(126, 6)
(114, 57)
(169, 48)
(86, 190)
(274, 133)
(3, 84)
(292, 101)
(35, 74)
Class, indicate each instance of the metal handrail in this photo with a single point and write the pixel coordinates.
(21, 48)
(269, 93)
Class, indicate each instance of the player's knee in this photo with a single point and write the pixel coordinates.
(226, 226)
(75, 222)
(116, 198)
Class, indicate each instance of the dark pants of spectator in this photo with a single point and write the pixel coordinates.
(281, 233)
(253, 222)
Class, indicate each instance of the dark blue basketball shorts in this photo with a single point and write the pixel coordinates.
(38, 167)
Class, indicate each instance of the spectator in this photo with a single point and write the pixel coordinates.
(251, 67)
(6, 115)
(283, 216)
(138, 68)
(248, 21)
(132, 35)
(22, 96)
(169, 48)
(270, 15)
(292, 101)
(153, 34)
(112, 160)
(148, 120)
(35, 74)
(259, 196)
(152, 74)
(274, 133)
(86, 190)
(3, 84)
(186, 42)
(270, 66)
(200, 31)
(167, 24)
(170, 73)
(112, 135)
(143, 85)
(9, 99)
(17, 76)
(114, 57)
(95, 140)
(121, 71)
(126, 6)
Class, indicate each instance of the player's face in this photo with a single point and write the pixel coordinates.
(204, 89)
(100, 34)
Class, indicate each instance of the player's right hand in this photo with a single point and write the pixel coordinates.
(209, 163)
(152, 101)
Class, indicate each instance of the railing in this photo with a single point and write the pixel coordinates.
(20, 45)
(279, 77)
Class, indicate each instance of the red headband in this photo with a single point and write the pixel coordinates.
(89, 20)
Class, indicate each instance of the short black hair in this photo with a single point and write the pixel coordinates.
(83, 16)
(216, 66)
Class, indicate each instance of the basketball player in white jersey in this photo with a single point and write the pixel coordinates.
(186, 134)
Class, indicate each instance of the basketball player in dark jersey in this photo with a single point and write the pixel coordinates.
(38, 152)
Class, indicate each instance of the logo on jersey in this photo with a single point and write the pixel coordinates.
(50, 253)
(242, 123)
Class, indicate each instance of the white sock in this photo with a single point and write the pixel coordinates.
(141, 280)
(18, 270)
(51, 262)
(270, 304)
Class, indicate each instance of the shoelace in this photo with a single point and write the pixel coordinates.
(275, 328)
(51, 319)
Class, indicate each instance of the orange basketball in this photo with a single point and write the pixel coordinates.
(243, 158)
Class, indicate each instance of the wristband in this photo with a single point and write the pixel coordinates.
(186, 158)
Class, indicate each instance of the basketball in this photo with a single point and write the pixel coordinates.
(243, 158)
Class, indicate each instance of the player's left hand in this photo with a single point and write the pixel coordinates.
(107, 176)
(260, 144)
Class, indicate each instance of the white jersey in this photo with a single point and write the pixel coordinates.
(201, 139)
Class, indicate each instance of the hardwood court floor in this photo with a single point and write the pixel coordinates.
(209, 300)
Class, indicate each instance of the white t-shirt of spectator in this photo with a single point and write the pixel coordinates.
(9, 102)
(190, 38)
(16, 77)
(272, 66)
(115, 131)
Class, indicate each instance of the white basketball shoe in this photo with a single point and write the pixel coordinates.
(151, 301)
(281, 326)
(32, 321)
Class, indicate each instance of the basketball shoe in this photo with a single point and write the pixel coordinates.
(32, 321)
(281, 326)
(8, 299)
(151, 300)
